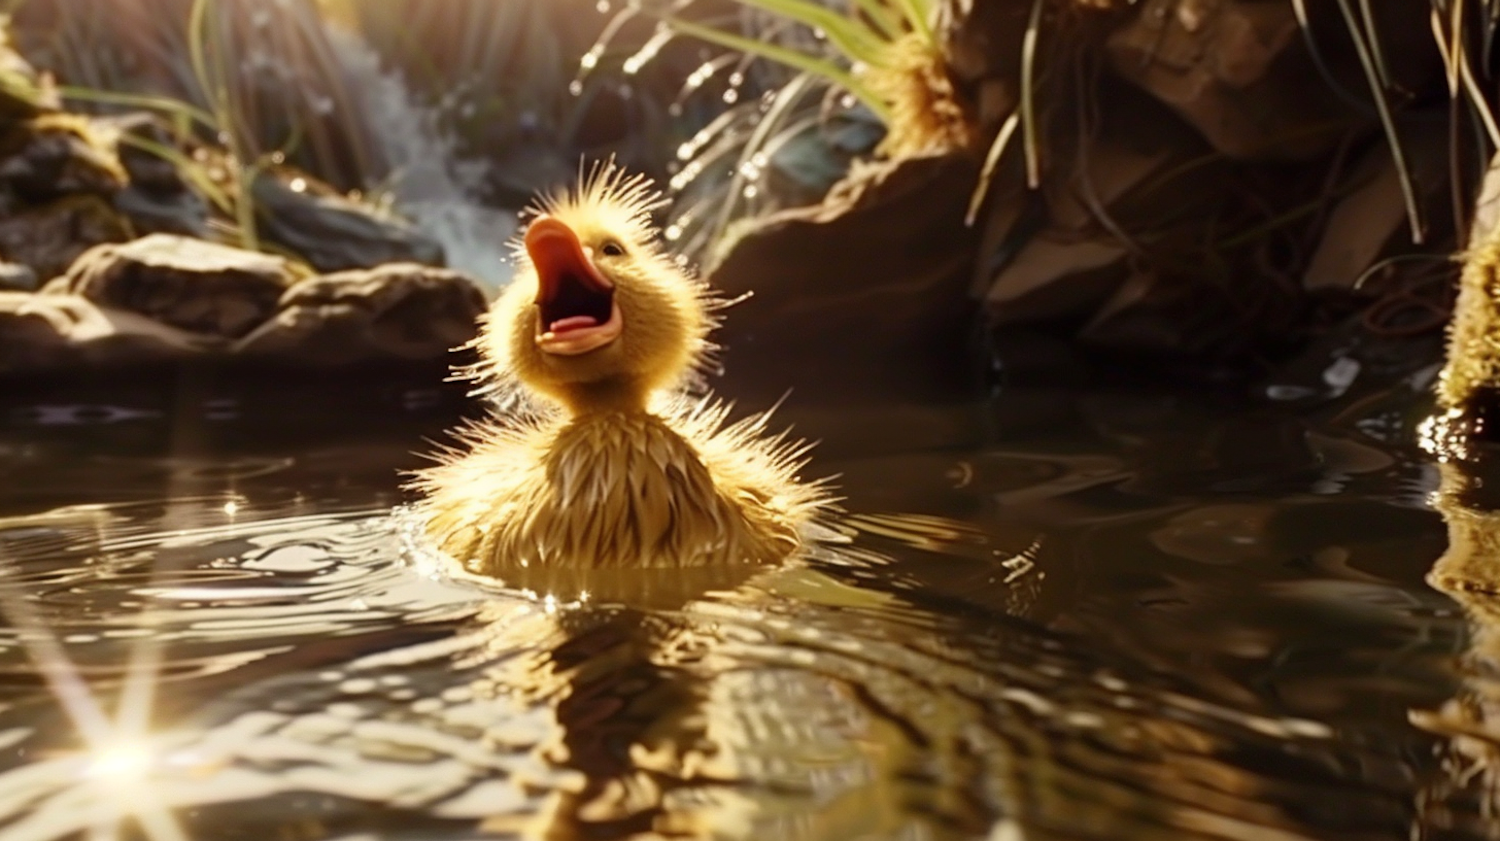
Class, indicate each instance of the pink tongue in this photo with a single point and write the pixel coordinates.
(575, 322)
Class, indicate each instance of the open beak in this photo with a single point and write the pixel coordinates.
(576, 305)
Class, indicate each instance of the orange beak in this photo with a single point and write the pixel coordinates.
(576, 305)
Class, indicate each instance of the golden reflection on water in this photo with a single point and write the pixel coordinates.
(1469, 573)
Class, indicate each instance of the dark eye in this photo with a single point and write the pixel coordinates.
(612, 249)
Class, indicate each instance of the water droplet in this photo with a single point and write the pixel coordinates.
(298, 185)
(575, 88)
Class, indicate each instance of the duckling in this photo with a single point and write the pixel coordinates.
(610, 463)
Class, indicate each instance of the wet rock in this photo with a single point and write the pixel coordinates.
(189, 284)
(184, 213)
(331, 232)
(48, 239)
(47, 332)
(17, 278)
(58, 155)
(146, 170)
(395, 311)
(157, 199)
(863, 291)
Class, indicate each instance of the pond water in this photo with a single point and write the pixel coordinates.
(1045, 615)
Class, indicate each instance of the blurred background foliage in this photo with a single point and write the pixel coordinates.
(1089, 174)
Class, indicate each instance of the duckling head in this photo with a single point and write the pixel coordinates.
(598, 317)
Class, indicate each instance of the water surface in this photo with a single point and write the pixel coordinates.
(1047, 615)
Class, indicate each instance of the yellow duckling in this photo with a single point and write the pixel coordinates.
(610, 464)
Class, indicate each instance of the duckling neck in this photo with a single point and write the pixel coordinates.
(606, 397)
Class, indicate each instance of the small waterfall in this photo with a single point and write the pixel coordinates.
(428, 179)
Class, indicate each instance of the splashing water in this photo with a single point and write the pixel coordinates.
(431, 184)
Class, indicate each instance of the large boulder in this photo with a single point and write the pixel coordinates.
(862, 292)
(396, 311)
(47, 332)
(197, 286)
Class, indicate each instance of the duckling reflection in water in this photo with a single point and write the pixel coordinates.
(610, 463)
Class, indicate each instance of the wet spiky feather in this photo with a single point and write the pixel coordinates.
(605, 462)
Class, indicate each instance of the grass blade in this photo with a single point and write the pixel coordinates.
(918, 14)
(1028, 95)
(1387, 122)
(886, 22)
(791, 58)
(162, 104)
(991, 160)
(852, 38)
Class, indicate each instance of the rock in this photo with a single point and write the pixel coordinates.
(1057, 275)
(17, 278)
(189, 284)
(48, 239)
(146, 170)
(862, 291)
(331, 232)
(184, 213)
(395, 311)
(1241, 73)
(48, 332)
(58, 155)
(157, 199)
(1370, 220)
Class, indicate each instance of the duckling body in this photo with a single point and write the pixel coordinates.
(610, 465)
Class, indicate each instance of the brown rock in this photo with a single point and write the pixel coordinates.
(863, 290)
(399, 310)
(50, 238)
(58, 155)
(1239, 71)
(186, 283)
(44, 332)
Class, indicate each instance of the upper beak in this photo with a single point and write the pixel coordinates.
(556, 253)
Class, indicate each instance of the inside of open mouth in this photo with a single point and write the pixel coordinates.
(575, 303)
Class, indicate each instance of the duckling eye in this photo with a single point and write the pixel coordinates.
(612, 249)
